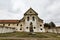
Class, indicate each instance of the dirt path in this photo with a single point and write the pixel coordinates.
(29, 38)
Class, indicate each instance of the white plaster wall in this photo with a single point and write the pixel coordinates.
(0, 30)
(58, 30)
(36, 24)
(1, 24)
(6, 24)
(27, 23)
(18, 27)
(53, 30)
(6, 30)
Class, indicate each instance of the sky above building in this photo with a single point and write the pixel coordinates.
(48, 10)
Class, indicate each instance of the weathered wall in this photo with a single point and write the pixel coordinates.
(6, 30)
(53, 30)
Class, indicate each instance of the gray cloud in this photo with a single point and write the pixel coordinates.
(48, 10)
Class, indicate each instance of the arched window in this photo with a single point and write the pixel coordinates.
(27, 18)
(33, 18)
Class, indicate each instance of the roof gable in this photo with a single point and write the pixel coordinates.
(30, 11)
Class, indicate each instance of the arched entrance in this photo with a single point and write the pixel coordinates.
(31, 27)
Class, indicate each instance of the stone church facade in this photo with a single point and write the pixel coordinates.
(24, 25)
(31, 17)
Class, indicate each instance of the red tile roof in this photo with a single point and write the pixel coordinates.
(9, 21)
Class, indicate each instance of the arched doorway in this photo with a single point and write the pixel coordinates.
(31, 27)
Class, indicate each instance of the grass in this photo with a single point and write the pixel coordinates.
(26, 34)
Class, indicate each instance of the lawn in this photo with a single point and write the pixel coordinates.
(26, 34)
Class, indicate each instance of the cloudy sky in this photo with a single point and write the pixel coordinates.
(48, 10)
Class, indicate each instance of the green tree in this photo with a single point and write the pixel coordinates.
(52, 25)
(46, 26)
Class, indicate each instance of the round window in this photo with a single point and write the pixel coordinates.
(20, 28)
(30, 12)
(40, 25)
(41, 29)
(21, 25)
(26, 27)
(34, 27)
